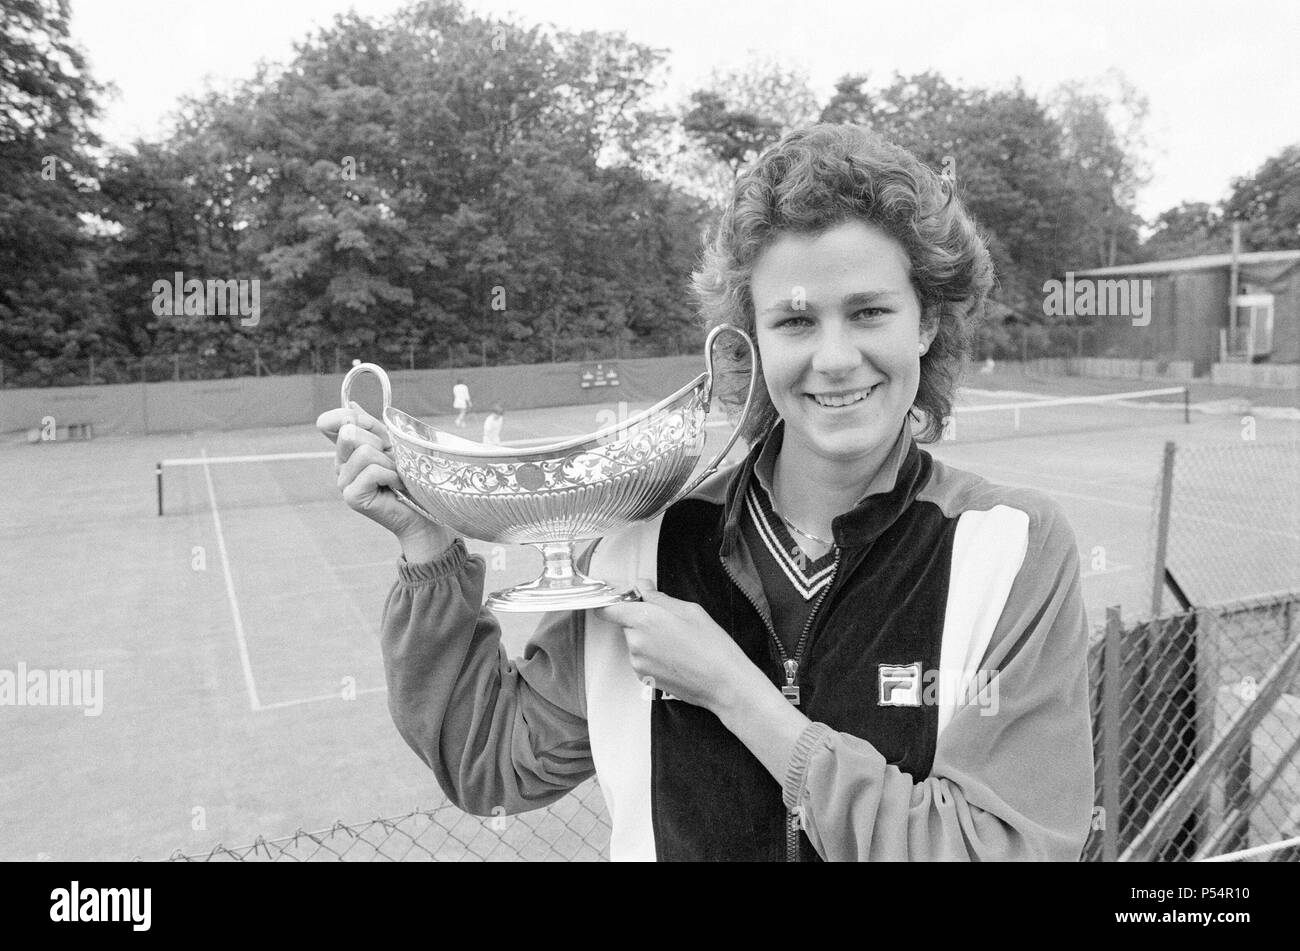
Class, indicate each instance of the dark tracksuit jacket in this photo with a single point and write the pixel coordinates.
(945, 674)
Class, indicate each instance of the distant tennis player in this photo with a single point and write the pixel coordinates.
(492, 426)
(460, 400)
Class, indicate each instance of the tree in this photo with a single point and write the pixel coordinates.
(731, 136)
(1268, 203)
(769, 91)
(1104, 146)
(431, 182)
(1190, 229)
(50, 317)
(850, 104)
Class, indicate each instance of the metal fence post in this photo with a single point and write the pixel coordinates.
(1236, 793)
(1162, 530)
(1111, 691)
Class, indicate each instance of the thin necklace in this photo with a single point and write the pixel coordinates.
(796, 528)
(790, 524)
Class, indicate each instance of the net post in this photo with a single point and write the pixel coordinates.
(1187, 408)
(1162, 530)
(157, 471)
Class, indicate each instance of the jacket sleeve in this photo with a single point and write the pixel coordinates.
(496, 732)
(1011, 780)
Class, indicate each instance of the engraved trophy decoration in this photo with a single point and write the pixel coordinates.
(556, 495)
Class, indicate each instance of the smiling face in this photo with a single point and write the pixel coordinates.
(839, 331)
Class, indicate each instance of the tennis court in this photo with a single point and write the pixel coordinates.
(243, 686)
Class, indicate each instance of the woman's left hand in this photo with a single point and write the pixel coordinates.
(677, 648)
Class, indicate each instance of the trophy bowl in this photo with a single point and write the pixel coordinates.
(556, 495)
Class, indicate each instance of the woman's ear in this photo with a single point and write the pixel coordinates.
(929, 330)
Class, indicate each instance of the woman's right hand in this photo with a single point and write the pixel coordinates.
(367, 472)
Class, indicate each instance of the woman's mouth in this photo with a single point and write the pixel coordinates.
(841, 398)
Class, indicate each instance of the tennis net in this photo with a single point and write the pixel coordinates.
(983, 416)
(186, 486)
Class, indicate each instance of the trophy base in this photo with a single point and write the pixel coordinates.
(529, 598)
(561, 587)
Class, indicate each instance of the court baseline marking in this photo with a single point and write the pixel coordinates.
(280, 704)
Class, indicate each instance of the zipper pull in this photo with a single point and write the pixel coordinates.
(791, 691)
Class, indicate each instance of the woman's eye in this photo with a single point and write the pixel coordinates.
(793, 323)
(870, 313)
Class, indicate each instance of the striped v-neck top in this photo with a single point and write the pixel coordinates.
(791, 580)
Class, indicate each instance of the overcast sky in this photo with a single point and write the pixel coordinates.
(1223, 80)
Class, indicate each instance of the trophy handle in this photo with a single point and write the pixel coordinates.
(387, 389)
(712, 467)
(384, 385)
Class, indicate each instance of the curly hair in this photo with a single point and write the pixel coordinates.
(821, 176)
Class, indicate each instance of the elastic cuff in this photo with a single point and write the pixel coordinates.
(796, 771)
(450, 562)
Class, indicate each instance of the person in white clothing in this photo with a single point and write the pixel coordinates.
(460, 400)
(492, 426)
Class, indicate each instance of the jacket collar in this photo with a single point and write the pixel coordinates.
(889, 493)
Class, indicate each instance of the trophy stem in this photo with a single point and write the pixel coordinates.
(557, 564)
(560, 587)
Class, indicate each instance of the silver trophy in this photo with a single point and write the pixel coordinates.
(556, 495)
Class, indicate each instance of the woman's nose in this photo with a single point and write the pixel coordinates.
(837, 352)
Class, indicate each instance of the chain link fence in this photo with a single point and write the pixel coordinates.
(1233, 518)
(1196, 743)
(574, 829)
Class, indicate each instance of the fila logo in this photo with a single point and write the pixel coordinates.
(900, 686)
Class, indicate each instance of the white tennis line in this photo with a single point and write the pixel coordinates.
(279, 704)
(253, 702)
(1106, 571)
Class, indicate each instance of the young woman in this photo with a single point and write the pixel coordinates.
(846, 649)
